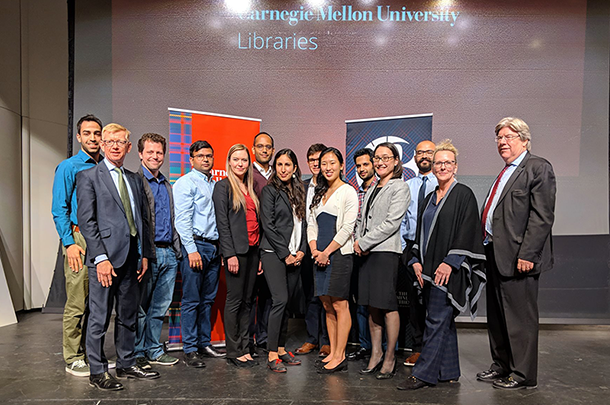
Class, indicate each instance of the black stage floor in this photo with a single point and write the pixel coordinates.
(574, 369)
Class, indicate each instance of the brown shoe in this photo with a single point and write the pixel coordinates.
(324, 351)
(412, 359)
(306, 348)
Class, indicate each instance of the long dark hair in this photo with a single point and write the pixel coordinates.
(397, 174)
(296, 191)
(321, 182)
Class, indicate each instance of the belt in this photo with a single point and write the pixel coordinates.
(162, 244)
(202, 239)
(75, 228)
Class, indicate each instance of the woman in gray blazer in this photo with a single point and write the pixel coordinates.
(378, 242)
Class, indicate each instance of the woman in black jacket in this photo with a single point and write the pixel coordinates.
(236, 207)
(282, 249)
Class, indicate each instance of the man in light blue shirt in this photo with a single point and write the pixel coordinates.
(89, 135)
(200, 265)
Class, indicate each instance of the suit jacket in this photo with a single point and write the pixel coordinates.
(150, 212)
(232, 226)
(102, 219)
(379, 231)
(524, 216)
(278, 222)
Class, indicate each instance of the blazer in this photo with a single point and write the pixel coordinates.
(524, 216)
(102, 219)
(277, 220)
(379, 231)
(232, 226)
(150, 212)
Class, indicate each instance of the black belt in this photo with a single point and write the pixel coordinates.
(202, 239)
(163, 244)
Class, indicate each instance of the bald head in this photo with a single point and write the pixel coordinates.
(423, 156)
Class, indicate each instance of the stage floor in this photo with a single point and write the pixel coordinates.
(574, 368)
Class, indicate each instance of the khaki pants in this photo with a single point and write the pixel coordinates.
(74, 321)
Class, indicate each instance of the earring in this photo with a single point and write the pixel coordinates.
(294, 176)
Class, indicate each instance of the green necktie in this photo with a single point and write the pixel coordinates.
(126, 204)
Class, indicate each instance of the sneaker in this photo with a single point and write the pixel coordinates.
(165, 360)
(143, 363)
(78, 368)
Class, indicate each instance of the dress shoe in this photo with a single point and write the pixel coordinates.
(373, 370)
(413, 383)
(277, 366)
(253, 362)
(105, 382)
(324, 351)
(387, 376)
(490, 375)
(306, 348)
(210, 351)
(143, 363)
(358, 354)
(412, 359)
(238, 363)
(509, 383)
(136, 372)
(340, 367)
(289, 359)
(192, 359)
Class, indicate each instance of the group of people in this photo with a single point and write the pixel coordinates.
(125, 235)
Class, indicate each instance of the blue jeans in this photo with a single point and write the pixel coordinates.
(364, 334)
(156, 292)
(198, 293)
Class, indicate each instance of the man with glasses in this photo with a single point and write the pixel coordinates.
(517, 218)
(200, 265)
(420, 186)
(113, 220)
(263, 149)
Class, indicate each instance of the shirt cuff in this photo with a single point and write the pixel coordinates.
(67, 241)
(454, 261)
(413, 261)
(99, 259)
(190, 248)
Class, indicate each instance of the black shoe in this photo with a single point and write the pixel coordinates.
(143, 363)
(509, 383)
(373, 370)
(340, 367)
(387, 376)
(252, 350)
(238, 363)
(105, 382)
(277, 366)
(490, 375)
(413, 383)
(192, 359)
(253, 362)
(289, 359)
(136, 372)
(358, 354)
(210, 351)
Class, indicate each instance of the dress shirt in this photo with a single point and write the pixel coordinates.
(194, 208)
(132, 203)
(502, 183)
(266, 173)
(311, 190)
(64, 205)
(361, 194)
(163, 220)
(409, 223)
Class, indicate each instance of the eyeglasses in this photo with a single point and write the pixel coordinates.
(424, 152)
(263, 147)
(112, 143)
(448, 164)
(202, 156)
(508, 138)
(384, 159)
(312, 160)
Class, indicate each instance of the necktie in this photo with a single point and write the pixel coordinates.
(125, 201)
(490, 199)
(422, 192)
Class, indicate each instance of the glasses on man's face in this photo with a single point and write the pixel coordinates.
(112, 143)
(384, 159)
(202, 156)
(508, 138)
(424, 152)
(313, 161)
(263, 147)
(448, 164)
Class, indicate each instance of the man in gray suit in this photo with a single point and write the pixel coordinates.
(517, 219)
(112, 218)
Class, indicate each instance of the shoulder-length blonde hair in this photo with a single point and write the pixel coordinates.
(239, 200)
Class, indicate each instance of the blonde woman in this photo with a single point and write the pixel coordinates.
(237, 220)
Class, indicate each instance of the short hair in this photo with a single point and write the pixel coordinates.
(445, 145)
(151, 137)
(362, 152)
(111, 128)
(88, 117)
(198, 145)
(315, 148)
(397, 174)
(263, 133)
(517, 125)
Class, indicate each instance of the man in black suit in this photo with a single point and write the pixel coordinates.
(112, 219)
(517, 219)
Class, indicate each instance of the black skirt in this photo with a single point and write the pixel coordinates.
(334, 279)
(378, 279)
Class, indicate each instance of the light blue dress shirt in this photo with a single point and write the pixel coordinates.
(409, 223)
(194, 208)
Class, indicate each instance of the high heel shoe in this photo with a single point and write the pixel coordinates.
(340, 367)
(387, 376)
(373, 370)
